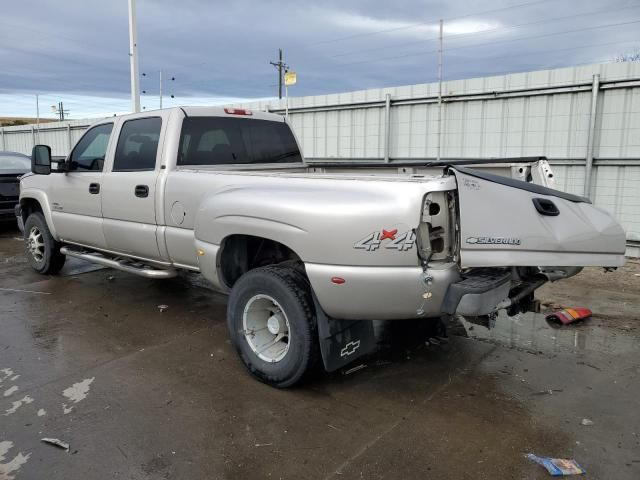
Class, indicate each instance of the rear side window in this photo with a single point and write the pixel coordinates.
(89, 152)
(138, 145)
(223, 141)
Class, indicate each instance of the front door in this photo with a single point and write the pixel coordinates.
(129, 190)
(75, 195)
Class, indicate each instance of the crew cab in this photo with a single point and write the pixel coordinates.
(309, 253)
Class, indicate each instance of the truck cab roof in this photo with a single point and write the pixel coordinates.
(221, 111)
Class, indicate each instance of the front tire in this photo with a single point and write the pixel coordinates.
(43, 251)
(272, 325)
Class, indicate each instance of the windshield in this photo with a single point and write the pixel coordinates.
(14, 163)
(225, 140)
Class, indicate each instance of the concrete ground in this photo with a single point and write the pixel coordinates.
(88, 358)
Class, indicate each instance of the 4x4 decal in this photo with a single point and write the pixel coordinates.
(391, 238)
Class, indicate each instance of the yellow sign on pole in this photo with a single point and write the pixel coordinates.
(290, 78)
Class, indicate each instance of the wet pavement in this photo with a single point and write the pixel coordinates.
(88, 358)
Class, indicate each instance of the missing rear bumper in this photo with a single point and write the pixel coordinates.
(479, 293)
(485, 291)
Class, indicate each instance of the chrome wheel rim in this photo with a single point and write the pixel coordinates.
(266, 328)
(35, 244)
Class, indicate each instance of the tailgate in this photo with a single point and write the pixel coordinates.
(506, 222)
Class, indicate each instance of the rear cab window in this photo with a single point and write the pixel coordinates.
(228, 141)
(137, 147)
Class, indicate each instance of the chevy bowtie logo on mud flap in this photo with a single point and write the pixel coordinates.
(396, 241)
(350, 348)
(493, 241)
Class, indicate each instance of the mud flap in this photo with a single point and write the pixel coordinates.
(342, 341)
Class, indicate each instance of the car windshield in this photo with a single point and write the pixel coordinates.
(14, 163)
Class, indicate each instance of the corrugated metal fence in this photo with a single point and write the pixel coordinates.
(525, 114)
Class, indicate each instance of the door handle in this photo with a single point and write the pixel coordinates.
(94, 188)
(142, 191)
(544, 206)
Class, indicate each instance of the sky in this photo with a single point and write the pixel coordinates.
(77, 51)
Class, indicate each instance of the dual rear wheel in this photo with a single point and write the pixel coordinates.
(272, 324)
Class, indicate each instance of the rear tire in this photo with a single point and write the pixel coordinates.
(43, 251)
(272, 325)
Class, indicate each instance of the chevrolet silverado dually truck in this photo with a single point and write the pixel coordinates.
(310, 254)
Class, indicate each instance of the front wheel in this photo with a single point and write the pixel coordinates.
(43, 251)
(273, 325)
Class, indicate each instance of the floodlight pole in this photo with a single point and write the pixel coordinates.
(133, 57)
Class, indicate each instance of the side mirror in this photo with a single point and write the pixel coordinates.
(41, 160)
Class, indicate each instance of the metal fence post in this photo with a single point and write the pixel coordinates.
(70, 145)
(33, 136)
(592, 133)
(387, 126)
(4, 145)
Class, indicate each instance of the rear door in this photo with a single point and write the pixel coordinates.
(505, 222)
(129, 189)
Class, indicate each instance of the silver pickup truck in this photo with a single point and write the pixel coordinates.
(310, 254)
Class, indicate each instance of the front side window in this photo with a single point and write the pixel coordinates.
(224, 140)
(89, 153)
(138, 145)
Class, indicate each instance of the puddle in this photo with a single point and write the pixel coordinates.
(12, 466)
(530, 331)
(76, 393)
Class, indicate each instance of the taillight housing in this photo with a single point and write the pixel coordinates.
(436, 231)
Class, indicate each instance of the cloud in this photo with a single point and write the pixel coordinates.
(403, 28)
(77, 51)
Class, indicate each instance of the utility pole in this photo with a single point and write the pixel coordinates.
(133, 57)
(59, 109)
(38, 117)
(439, 91)
(282, 67)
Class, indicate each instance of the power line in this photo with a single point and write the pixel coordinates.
(414, 25)
(426, 52)
(39, 32)
(63, 59)
(482, 32)
(528, 68)
(554, 50)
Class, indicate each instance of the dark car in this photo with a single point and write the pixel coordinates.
(12, 166)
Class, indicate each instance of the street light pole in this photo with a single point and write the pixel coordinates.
(439, 142)
(133, 57)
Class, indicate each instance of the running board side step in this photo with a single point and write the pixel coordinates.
(124, 265)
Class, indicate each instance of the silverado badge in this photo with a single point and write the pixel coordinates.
(493, 241)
